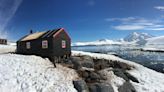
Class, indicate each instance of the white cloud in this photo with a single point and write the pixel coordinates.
(7, 11)
(159, 7)
(137, 23)
(157, 29)
(120, 19)
(129, 27)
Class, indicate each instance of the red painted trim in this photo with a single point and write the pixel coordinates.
(57, 33)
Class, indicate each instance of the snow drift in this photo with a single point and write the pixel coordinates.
(19, 73)
(7, 48)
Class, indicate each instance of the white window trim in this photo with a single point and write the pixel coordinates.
(28, 45)
(64, 44)
(44, 46)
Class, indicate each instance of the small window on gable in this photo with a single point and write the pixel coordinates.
(63, 44)
(45, 44)
(28, 45)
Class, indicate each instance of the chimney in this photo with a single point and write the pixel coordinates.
(31, 31)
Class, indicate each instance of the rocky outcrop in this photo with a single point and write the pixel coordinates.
(92, 79)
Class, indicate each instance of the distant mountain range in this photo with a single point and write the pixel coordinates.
(134, 38)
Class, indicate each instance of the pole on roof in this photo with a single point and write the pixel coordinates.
(31, 31)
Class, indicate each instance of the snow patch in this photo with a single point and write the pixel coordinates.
(19, 73)
(7, 48)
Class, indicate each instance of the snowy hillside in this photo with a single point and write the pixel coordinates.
(155, 41)
(19, 73)
(149, 80)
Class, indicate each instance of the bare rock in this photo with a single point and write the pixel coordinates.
(80, 86)
(127, 87)
(101, 87)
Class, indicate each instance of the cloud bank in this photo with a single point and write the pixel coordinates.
(137, 23)
(7, 11)
(159, 8)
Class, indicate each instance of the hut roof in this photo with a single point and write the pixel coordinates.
(40, 35)
(33, 36)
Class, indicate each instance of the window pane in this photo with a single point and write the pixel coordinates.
(63, 44)
(28, 45)
(44, 44)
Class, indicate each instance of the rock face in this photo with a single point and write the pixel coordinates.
(100, 87)
(80, 62)
(125, 75)
(127, 87)
(93, 80)
(80, 86)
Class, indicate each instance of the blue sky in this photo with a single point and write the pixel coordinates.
(85, 20)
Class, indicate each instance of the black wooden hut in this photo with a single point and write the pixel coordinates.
(52, 44)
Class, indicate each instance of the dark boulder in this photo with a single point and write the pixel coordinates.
(125, 75)
(120, 73)
(132, 78)
(80, 86)
(87, 64)
(82, 61)
(127, 87)
(101, 87)
(76, 62)
(94, 76)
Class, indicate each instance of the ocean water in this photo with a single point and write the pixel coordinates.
(153, 60)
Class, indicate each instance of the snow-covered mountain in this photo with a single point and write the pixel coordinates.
(155, 41)
(137, 37)
(133, 38)
(98, 42)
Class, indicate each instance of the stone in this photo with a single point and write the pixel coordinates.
(126, 87)
(83, 61)
(92, 88)
(132, 78)
(80, 86)
(87, 64)
(101, 87)
(94, 76)
(76, 63)
(104, 88)
(120, 73)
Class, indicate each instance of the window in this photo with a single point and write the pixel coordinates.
(63, 44)
(28, 45)
(44, 44)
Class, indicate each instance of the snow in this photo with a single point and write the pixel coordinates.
(152, 49)
(155, 40)
(19, 73)
(7, 48)
(98, 42)
(149, 80)
(134, 38)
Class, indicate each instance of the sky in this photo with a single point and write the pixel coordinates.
(84, 20)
